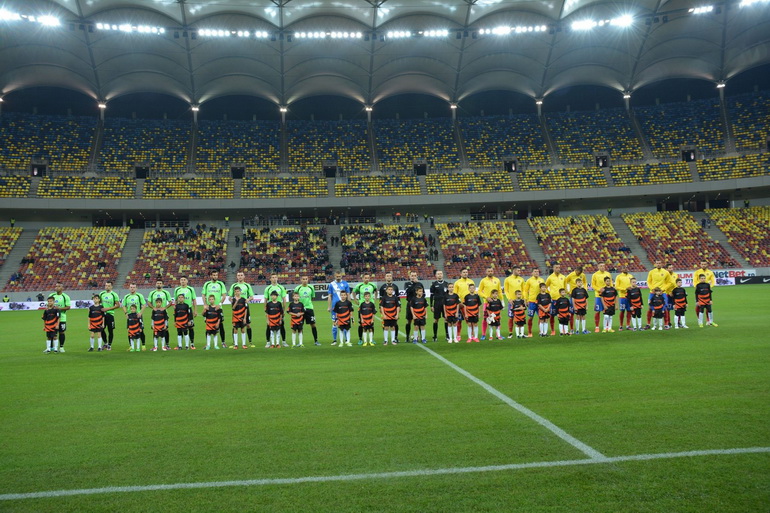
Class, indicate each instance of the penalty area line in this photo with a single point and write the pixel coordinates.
(378, 475)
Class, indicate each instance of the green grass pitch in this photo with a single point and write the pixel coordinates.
(91, 420)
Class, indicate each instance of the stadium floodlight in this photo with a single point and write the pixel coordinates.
(701, 10)
(721, 84)
(283, 109)
(49, 21)
(368, 108)
(622, 21)
(538, 101)
(6, 15)
(584, 25)
(453, 106)
(626, 95)
(102, 105)
(195, 108)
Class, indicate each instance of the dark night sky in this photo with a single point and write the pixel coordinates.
(58, 101)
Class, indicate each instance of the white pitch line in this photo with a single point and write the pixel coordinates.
(550, 426)
(378, 475)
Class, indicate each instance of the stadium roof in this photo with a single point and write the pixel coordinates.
(286, 50)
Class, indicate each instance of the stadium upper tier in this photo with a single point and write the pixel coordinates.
(80, 258)
(468, 183)
(726, 168)
(176, 252)
(378, 249)
(378, 186)
(8, 238)
(671, 126)
(290, 252)
(748, 230)
(479, 245)
(253, 144)
(312, 142)
(63, 141)
(489, 139)
(164, 144)
(179, 188)
(400, 142)
(575, 178)
(648, 174)
(68, 187)
(14, 186)
(583, 240)
(750, 118)
(677, 238)
(268, 187)
(578, 136)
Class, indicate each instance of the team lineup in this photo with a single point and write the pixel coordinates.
(559, 299)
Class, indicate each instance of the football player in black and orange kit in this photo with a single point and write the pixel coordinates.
(635, 305)
(493, 311)
(212, 317)
(679, 300)
(609, 295)
(344, 317)
(240, 317)
(160, 323)
(579, 306)
(297, 314)
(274, 314)
(51, 327)
(563, 308)
(96, 321)
(418, 306)
(390, 309)
(451, 311)
(366, 311)
(134, 326)
(183, 314)
(471, 309)
(519, 308)
(703, 297)
(544, 303)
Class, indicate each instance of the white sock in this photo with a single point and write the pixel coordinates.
(187, 340)
(208, 341)
(293, 338)
(300, 337)
(470, 332)
(243, 339)
(92, 343)
(711, 317)
(700, 317)
(179, 340)
(216, 340)
(476, 331)
(235, 338)
(99, 342)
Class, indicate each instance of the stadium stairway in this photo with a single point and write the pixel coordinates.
(693, 166)
(330, 186)
(19, 251)
(139, 188)
(555, 160)
(237, 188)
(129, 256)
(529, 239)
(233, 250)
(608, 177)
(646, 150)
(427, 230)
(718, 235)
(335, 252)
(34, 185)
(625, 234)
(729, 136)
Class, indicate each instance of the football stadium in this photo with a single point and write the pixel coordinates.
(539, 232)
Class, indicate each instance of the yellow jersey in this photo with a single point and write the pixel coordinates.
(532, 288)
(461, 287)
(569, 281)
(623, 283)
(597, 281)
(487, 285)
(511, 285)
(710, 278)
(658, 278)
(555, 282)
(671, 283)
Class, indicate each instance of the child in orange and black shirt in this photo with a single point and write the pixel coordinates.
(366, 310)
(182, 318)
(212, 316)
(451, 312)
(679, 298)
(160, 324)
(703, 297)
(493, 311)
(418, 305)
(635, 305)
(134, 325)
(657, 306)
(563, 307)
(51, 327)
(543, 301)
(96, 321)
(471, 307)
(390, 309)
(519, 309)
(274, 313)
(240, 317)
(297, 314)
(344, 310)
(579, 297)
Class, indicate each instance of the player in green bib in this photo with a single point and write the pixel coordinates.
(110, 303)
(133, 298)
(358, 294)
(62, 303)
(163, 295)
(281, 291)
(189, 298)
(306, 295)
(215, 287)
(246, 292)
